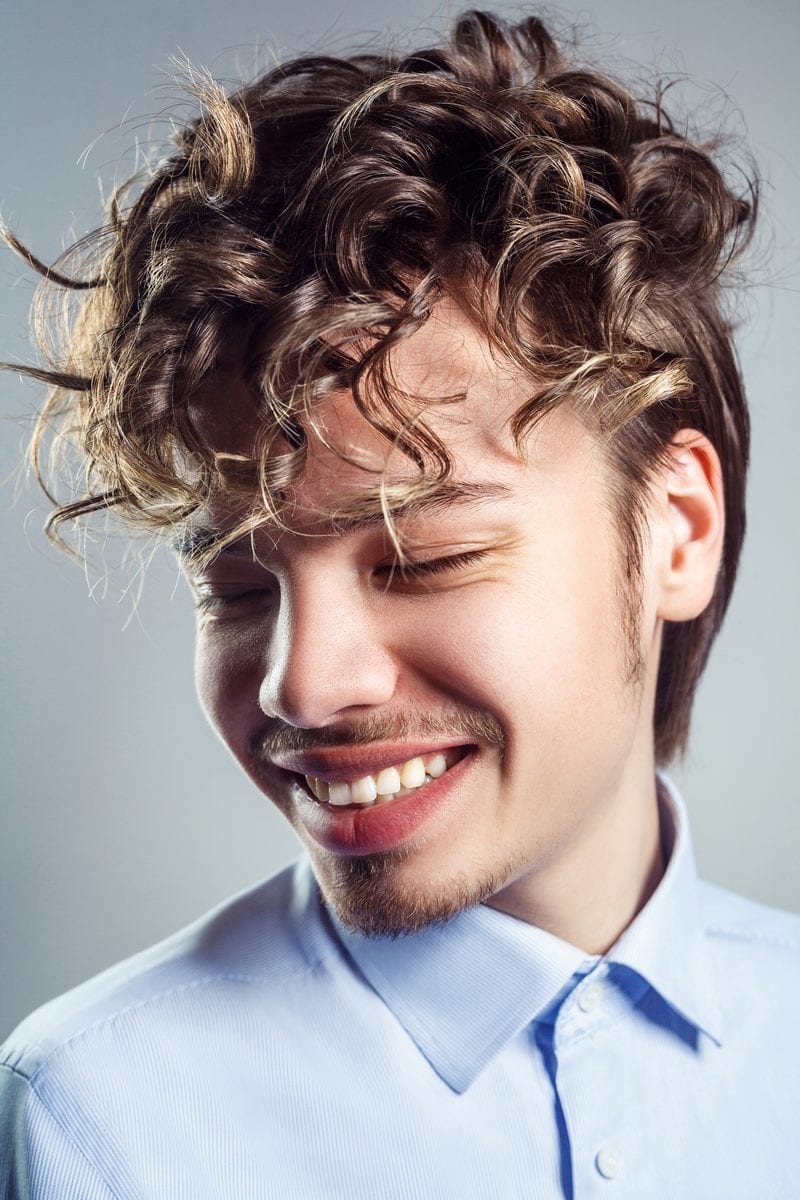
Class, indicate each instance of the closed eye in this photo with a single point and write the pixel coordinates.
(410, 570)
(256, 599)
(208, 602)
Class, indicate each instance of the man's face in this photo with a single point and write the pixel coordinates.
(510, 659)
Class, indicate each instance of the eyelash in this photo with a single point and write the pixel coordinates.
(209, 604)
(409, 570)
(434, 566)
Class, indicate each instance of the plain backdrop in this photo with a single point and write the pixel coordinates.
(122, 815)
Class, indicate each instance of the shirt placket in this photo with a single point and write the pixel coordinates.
(575, 1044)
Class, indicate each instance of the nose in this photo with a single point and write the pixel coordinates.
(326, 655)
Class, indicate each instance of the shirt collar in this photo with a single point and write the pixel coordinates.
(462, 990)
(666, 941)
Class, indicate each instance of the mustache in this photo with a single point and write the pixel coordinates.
(468, 725)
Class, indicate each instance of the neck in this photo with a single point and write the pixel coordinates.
(593, 890)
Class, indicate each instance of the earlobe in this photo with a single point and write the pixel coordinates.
(692, 508)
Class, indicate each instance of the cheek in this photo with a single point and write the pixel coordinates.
(227, 680)
(543, 652)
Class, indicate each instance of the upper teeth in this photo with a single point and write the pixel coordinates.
(391, 781)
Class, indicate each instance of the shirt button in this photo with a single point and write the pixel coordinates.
(588, 998)
(608, 1162)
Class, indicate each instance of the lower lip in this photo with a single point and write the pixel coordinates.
(383, 825)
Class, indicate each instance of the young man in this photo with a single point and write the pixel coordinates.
(423, 366)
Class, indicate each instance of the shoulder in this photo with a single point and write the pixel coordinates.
(262, 936)
(755, 951)
(754, 927)
(88, 1080)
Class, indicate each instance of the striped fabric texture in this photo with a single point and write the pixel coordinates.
(266, 1052)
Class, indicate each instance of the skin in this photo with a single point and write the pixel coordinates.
(555, 818)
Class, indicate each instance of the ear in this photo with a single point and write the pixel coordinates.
(690, 513)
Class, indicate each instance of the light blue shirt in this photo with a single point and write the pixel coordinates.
(266, 1052)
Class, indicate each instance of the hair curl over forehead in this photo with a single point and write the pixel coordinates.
(310, 220)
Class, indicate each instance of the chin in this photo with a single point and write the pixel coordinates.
(369, 896)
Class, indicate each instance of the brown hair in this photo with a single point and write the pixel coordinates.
(321, 211)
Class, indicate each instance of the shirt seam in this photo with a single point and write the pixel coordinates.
(110, 1018)
(750, 935)
(64, 1131)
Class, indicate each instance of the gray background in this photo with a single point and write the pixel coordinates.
(122, 815)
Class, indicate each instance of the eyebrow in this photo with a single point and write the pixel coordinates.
(196, 540)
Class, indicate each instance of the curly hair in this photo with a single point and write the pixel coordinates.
(321, 211)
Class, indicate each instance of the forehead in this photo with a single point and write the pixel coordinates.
(458, 387)
(447, 357)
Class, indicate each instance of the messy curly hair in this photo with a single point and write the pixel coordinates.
(315, 216)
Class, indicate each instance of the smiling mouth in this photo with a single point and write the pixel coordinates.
(400, 779)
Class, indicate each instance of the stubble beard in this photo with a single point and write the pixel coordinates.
(367, 896)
